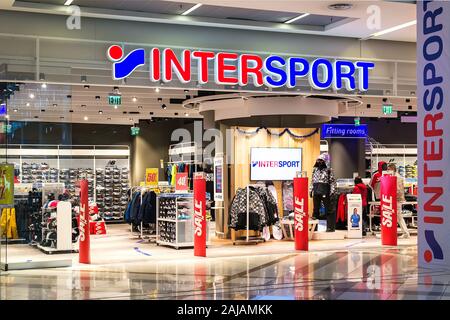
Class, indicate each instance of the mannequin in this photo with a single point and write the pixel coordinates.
(323, 189)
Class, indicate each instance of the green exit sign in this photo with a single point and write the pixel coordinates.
(115, 100)
(387, 109)
(135, 131)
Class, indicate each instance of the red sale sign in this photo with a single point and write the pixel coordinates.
(301, 213)
(84, 254)
(388, 195)
(181, 184)
(199, 216)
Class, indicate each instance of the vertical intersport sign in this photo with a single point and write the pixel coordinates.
(433, 82)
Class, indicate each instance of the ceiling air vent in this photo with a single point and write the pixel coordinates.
(340, 6)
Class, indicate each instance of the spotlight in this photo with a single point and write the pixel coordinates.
(28, 104)
(55, 105)
(83, 106)
(176, 113)
(69, 96)
(86, 86)
(71, 111)
(408, 100)
(100, 112)
(31, 95)
(15, 110)
(41, 77)
(385, 99)
(186, 91)
(83, 79)
(369, 106)
(152, 113)
(86, 118)
(409, 107)
(7, 116)
(186, 114)
(108, 118)
(97, 98)
(140, 107)
(164, 106)
(157, 90)
(115, 107)
(134, 99)
(159, 99)
(44, 86)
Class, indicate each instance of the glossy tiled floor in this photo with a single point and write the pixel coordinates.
(345, 274)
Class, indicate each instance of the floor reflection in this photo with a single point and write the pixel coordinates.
(354, 274)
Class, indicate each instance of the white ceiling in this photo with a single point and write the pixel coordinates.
(391, 14)
(52, 104)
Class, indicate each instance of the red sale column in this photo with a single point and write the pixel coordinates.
(301, 213)
(388, 195)
(85, 254)
(199, 215)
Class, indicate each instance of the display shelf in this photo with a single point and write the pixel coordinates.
(179, 231)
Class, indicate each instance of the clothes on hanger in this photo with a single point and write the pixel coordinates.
(8, 224)
(262, 212)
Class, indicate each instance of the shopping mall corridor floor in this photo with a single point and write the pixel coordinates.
(368, 274)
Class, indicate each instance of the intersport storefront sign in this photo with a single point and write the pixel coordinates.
(241, 69)
(433, 77)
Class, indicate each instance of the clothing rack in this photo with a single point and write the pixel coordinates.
(249, 239)
(143, 189)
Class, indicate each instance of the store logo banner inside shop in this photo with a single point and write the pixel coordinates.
(242, 69)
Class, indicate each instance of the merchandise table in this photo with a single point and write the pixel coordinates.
(372, 210)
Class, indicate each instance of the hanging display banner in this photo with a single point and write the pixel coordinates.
(85, 246)
(301, 213)
(343, 131)
(244, 69)
(7, 185)
(199, 215)
(218, 179)
(433, 125)
(354, 216)
(151, 177)
(388, 207)
(181, 182)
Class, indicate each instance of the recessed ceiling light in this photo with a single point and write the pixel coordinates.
(55, 104)
(31, 95)
(86, 118)
(69, 96)
(42, 110)
(71, 111)
(7, 116)
(392, 29)
(152, 113)
(186, 91)
(83, 79)
(410, 107)
(61, 118)
(15, 110)
(68, 2)
(157, 90)
(28, 104)
(186, 114)
(164, 107)
(140, 107)
(198, 5)
(115, 107)
(100, 112)
(176, 113)
(44, 86)
(86, 86)
(131, 119)
(159, 99)
(97, 97)
(36, 117)
(134, 99)
(298, 18)
(83, 106)
(108, 118)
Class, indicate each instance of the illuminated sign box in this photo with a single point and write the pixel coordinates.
(330, 131)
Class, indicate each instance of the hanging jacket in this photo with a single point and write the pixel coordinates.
(376, 179)
(361, 189)
(341, 208)
(147, 210)
(238, 211)
(173, 175)
(8, 225)
(135, 206)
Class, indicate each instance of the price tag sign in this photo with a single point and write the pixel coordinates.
(182, 183)
(151, 176)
